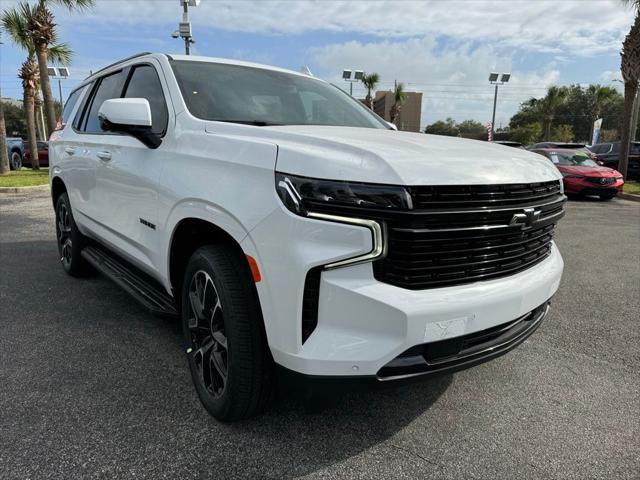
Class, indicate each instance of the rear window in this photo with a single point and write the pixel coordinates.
(68, 108)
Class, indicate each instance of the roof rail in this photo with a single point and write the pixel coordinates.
(119, 61)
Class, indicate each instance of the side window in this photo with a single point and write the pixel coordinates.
(69, 106)
(144, 83)
(109, 87)
(616, 148)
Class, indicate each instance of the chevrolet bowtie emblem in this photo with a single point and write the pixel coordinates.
(527, 219)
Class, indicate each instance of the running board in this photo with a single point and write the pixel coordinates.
(139, 285)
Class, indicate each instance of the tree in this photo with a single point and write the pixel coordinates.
(597, 97)
(447, 128)
(15, 21)
(370, 81)
(630, 67)
(42, 31)
(4, 157)
(29, 76)
(14, 120)
(399, 97)
(471, 127)
(563, 133)
(549, 106)
(526, 134)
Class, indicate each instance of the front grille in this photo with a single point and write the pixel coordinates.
(462, 234)
(601, 180)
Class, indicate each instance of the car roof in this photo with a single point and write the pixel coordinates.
(190, 58)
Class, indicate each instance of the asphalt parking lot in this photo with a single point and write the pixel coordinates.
(92, 386)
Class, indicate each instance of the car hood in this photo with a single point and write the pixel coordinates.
(392, 157)
(588, 171)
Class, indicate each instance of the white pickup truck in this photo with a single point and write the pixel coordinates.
(295, 232)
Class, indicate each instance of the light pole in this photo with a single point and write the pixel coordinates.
(352, 76)
(59, 73)
(184, 27)
(493, 80)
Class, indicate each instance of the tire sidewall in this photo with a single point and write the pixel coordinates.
(219, 407)
(76, 266)
(15, 161)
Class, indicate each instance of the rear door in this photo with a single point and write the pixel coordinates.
(89, 141)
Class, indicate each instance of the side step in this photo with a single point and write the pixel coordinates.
(138, 284)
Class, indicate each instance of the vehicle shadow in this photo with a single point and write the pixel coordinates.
(121, 378)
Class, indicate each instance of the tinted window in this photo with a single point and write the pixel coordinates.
(616, 148)
(144, 83)
(68, 107)
(234, 93)
(109, 87)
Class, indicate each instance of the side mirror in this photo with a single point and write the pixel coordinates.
(131, 116)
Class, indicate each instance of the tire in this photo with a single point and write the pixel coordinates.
(70, 240)
(15, 161)
(230, 362)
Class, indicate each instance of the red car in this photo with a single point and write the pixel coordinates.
(583, 176)
(43, 155)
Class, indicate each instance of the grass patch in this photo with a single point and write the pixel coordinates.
(632, 186)
(25, 178)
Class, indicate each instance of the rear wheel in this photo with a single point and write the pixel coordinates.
(226, 347)
(15, 161)
(70, 240)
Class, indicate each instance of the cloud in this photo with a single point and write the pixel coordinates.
(454, 80)
(576, 27)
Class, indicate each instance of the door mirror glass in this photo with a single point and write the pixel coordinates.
(131, 116)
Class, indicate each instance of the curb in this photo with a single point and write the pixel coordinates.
(629, 196)
(32, 188)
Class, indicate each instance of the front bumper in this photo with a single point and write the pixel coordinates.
(584, 187)
(364, 324)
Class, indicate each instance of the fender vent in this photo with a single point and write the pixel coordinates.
(310, 301)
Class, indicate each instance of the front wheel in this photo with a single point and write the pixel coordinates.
(15, 162)
(226, 347)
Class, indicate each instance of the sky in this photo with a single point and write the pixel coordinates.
(445, 49)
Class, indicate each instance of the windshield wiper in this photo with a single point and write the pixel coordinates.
(257, 123)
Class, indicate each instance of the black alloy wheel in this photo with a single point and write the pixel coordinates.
(208, 339)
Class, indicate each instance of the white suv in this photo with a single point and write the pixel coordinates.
(294, 231)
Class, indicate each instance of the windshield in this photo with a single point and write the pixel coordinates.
(255, 96)
(577, 159)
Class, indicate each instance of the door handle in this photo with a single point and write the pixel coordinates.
(70, 150)
(106, 156)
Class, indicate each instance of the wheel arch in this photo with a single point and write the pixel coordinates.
(189, 234)
(57, 188)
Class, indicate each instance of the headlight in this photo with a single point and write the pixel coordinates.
(300, 194)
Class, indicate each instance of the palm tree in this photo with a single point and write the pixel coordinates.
(15, 23)
(549, 106)
(399, 97)
(370, 81)
(630, 67)
(4, 157)
(42, 30)
(29, 75)
(598, 97)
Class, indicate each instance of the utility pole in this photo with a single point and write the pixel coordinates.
(184, 27)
